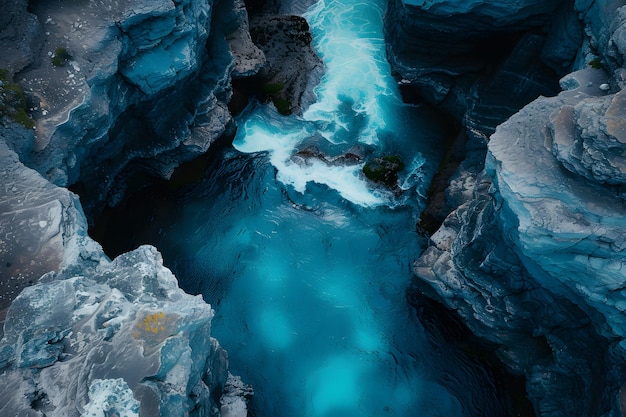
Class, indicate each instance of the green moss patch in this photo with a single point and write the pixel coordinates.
(272, 88)
(272, 91)
(23, 118)
(282, 105)
(595, 63)
(12, 101)
(60, 57)
(384, 170)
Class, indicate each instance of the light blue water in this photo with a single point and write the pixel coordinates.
(315, 316)
(307, 264)
(357, 103)
(309, 296)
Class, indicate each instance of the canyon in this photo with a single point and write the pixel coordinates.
(506, 216)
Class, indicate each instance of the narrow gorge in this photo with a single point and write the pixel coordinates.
(383, 208)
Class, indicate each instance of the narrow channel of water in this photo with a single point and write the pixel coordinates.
(315, 315)
(305, 261)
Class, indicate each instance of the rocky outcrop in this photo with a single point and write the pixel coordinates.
(92, 93)
(41, 227)
(480, 61)
(103, 111)
(94, 336)
(592, 146)
(18, 36)
(292, 67)
(531, 258)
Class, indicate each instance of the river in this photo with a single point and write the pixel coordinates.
(305, 261)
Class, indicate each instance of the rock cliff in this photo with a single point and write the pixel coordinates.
(100, 80)
(87, 92)
(94, 336)
(531, 256)
(480, 61)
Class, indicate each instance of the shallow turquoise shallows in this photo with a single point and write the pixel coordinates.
(306, 262)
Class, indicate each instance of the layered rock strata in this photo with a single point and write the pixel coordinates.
(480, 63)
(94, 336)
(102, 79)
(477, 60)
(531, 258)
(92, 93)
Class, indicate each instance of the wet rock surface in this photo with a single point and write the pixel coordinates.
(100, 80)
(384, 170)
(292, 68)
(83, 334)
(531, 257)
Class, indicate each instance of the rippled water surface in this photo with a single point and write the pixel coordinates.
(307, 263)
(317, 260)
(310, 295)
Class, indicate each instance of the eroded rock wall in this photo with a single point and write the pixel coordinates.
(94, 336)
(480, 61)
(93, 92)
(532, 256)
(134, 87)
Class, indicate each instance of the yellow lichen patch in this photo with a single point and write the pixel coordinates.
(153, 328)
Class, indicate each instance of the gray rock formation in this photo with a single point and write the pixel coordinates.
(588, 137)
(531, 258)
(18, 36)
(246, 55)
(102, 79)
(86, 99)
(93, 95)
(41, 228)
(476, 59)
(479, 62)
(94, 336)
(292, 68)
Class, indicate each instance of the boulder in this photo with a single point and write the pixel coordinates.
(84, 335)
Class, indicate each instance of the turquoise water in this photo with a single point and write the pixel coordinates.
(310, 296)
(318, 260)
(307, 263)
(309, 292)
(358, 104)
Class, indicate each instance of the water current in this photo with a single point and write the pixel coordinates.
(305, 261)
(315, 316)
